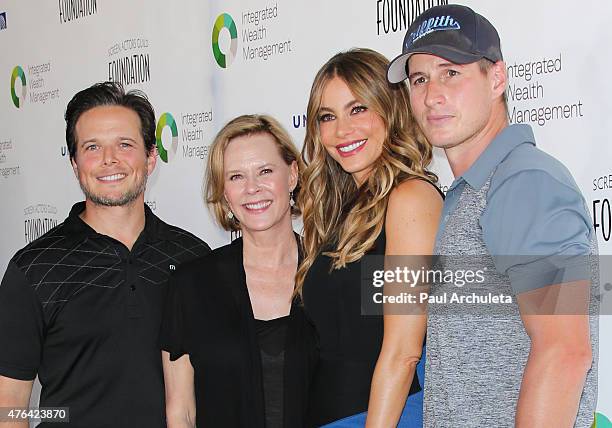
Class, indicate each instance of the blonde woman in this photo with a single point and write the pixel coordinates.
(237, 350)
(366, 190)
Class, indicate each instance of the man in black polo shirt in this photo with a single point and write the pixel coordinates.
(81, 306)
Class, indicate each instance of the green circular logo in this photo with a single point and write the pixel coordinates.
(166, 119)
(18, 100)
(601, 421)
(224, 21)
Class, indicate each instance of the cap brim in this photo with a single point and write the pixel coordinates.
(397, 70)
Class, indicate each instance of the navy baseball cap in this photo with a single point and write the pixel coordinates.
(453, 32)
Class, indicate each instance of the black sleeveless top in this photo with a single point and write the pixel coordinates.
(349, 343)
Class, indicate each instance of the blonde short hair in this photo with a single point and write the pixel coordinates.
(241, 126)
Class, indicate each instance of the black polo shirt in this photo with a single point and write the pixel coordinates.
(83, 312)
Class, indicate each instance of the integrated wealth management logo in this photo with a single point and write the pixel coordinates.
(601, 421)
(18, 73)
(224, 21)
(166, 119)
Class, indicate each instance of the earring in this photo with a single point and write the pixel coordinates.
(229, 215)
(291, 201)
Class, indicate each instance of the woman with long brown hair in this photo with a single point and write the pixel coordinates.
(366, 191)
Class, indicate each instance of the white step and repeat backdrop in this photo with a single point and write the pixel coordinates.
(204, 62)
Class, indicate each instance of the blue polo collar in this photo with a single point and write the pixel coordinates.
(505, 142)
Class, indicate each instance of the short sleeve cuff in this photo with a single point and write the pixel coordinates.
(549, 271)
(174, 351)
(19, 373)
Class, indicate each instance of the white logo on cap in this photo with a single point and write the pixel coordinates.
(438, 23)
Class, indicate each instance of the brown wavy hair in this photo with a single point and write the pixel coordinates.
(339, 216)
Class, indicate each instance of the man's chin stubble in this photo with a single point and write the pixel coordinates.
(127, 198)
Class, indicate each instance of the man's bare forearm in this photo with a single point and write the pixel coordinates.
(552, 385)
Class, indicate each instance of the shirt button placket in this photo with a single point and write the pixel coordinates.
(133, 306)
(131, 277)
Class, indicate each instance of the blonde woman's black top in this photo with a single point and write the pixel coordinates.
(209, 317)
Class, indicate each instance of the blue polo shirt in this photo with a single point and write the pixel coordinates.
(535, 224)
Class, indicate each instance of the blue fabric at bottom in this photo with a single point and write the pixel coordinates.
(412, 415)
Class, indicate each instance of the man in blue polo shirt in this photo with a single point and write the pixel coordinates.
(518, 212)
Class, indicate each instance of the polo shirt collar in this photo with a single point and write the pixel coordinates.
(154, 229)
(505, 142)
(77, 229)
